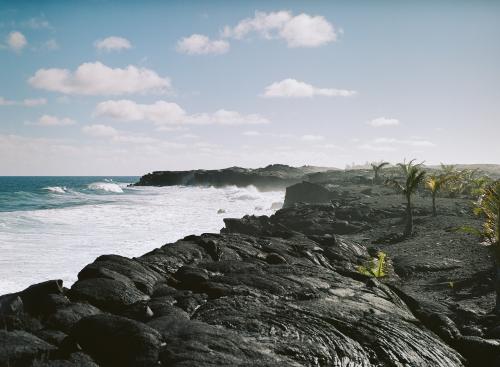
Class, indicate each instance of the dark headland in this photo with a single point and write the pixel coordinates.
(293, 289)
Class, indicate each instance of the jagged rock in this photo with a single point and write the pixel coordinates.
(106, 294)
(273, 258)
(19, 349)
(54, 337)
(479, 351)
(36, 297)
(117, 341)
(193, 343)
(75, 360)
(123, 269)
(139, 311)
(11, 304)
(64, 318)
(308, 192)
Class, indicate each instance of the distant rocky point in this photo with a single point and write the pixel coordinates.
(274, 176)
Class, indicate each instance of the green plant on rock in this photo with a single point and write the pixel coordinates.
(413, 177)
(375, 267)
(487, 207)
(376, 171)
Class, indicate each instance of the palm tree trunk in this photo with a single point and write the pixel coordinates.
(409, 217)
(434, 212)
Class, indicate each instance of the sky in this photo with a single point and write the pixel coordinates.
(124, 88)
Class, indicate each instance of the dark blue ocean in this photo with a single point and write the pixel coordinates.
(36, 192)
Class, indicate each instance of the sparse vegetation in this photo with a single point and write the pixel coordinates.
(487, 206)
(413, 177)
(375, 267)
(376, 171)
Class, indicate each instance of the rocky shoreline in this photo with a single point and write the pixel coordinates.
(280, 290)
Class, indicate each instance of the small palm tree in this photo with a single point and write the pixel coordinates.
(435, 183)
(414, 176)
(376, 171)
(488, 206)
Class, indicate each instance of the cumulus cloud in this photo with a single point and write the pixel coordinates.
(99, 79)
(383, 121)
(302, 30)
(168, 113)
(28, 102)
(49, 120)
(198, 44)
(100, 131)
(309, 137)
(16, 41)
(113, 43)
(295, 89)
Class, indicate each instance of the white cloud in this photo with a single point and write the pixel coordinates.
(198, 44)
(302, 30)
(16, 41)
(100, 131)
(309, 137)
(383, 121)
(168, 113)
(29, 102)
(113, 43)
(49, 120)
(99, 79)
(295, 89)
(251, 133)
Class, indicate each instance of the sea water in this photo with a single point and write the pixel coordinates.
(51, 227)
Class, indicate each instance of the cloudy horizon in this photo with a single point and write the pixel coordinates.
(170, 86)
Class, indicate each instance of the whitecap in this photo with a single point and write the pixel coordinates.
(56, 189)
(106, 187)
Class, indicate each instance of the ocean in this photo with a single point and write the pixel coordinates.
(51, 227)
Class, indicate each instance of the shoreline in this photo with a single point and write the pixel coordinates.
(284, 289)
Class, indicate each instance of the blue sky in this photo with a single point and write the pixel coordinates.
(117, 87)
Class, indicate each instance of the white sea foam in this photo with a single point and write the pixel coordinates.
(56, 189)
(57, 243)
(106, 187)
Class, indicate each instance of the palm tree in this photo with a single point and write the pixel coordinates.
(414, 176)
(376, 170)
(488, 206)
(434, 183)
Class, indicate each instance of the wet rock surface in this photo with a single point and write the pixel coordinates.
(275, 291)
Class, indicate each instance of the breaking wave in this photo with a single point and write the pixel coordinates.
(106, 187)
(56, 189)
